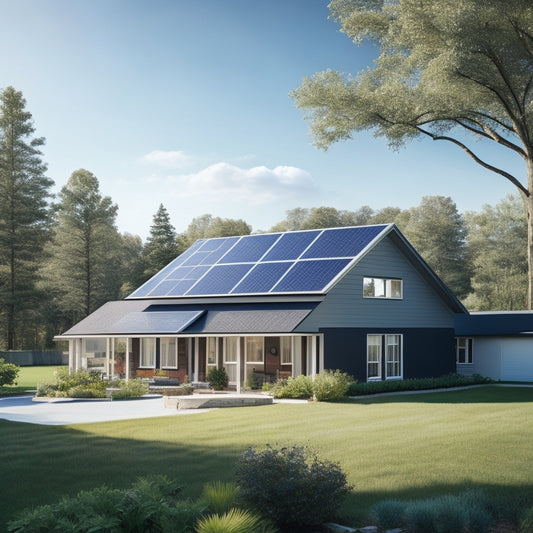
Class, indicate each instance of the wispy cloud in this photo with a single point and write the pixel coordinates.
(257, 185)
(168, 159)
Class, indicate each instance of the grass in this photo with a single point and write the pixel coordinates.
(397, 447)
(28, 378)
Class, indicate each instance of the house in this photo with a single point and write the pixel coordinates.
(265, 306)
(496, 344)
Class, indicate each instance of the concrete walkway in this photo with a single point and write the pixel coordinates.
(58, 413)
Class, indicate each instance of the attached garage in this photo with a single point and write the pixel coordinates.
(499, 345)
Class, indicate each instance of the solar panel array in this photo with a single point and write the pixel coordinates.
(270, 263)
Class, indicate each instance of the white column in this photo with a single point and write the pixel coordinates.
(128, 358)
(107, 355)
(189, 358)
(71, 354)
(238, 365)
(113, 340)
(313, 356)
(79, 346)
(196, 358)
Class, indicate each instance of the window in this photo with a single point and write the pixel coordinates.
(464, 350)
(169, 352)
(148, 353)
(231, 346)
(211, 347)
(254, 350)
(382, 288)
(286, 351)
(95, 353)
(384, 356)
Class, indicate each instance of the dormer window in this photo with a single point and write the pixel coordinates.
(382, 288)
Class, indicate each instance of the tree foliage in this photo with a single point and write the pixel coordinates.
(446, 69)
(497, 239)
(207, 227)
(82, 271)
(24, 218)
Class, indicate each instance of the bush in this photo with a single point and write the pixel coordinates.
(396, 385)
(291, 487)
(8, 373)
(469, 512)
(234, 521)
(220, 497)
(149, 505)
(134, 388)
(86, 391)
(217, 378)
(330, 386)
(526, 525)
(300, 387)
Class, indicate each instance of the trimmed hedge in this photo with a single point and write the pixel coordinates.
(443, 382)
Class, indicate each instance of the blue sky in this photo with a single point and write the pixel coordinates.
(186, 103)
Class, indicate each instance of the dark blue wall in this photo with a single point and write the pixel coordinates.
(427, 352)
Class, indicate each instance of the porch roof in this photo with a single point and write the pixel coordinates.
(151, 318)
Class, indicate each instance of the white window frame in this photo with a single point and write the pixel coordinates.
(285, 351)
(208, 351)
(164, 343)
(387, 285)
(384, 355)
(247, 342)
(145, 342)
(467, 348)
(231, 364)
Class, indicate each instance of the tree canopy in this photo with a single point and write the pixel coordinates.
(446, 69)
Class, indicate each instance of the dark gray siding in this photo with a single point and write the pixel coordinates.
(344, 305)
(427, 352)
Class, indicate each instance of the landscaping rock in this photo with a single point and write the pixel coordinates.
(337, 528)
(368, 529)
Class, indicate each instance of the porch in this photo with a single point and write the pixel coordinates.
(249, 360)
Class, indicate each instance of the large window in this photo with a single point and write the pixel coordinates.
(382, 288)
(286, 350)
(169, 352)
(464, 350)
(231, 346)
(95, 353)
(384, 356)
(212, 351)
(148, 353)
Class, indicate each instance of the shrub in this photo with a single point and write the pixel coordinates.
(217, 378)
(300, 387)
(220, 497)
(234, 521)
(86, 391)
(450, 380)
(149, 505)
(387, 514)
(134, 388)
(291, 486)
(526, 525)
(8, 373)
(330, 386)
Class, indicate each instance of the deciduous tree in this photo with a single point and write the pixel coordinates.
(446, 70)
(24, 216)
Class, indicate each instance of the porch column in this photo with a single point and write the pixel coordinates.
(196, 358)
(113, 340)
(313, 356)
(238, 365)
(71, 354)
(189, 359)
(128, 359)
(79, 345)
(107, 355)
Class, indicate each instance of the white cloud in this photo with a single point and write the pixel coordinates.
(168, 159)
(229, 183)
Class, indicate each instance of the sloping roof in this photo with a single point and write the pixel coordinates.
(151, 318)
(494, 323)
(298, 262)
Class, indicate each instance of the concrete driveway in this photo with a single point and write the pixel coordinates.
(62, 412)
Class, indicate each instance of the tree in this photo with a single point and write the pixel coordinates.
(131, 263)
(24, 215)
(82, 271)
(438, 232)
(161, 247)
(496, 238)
(446, 69)
(207, 226)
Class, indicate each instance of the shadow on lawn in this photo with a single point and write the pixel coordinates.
(478, 394)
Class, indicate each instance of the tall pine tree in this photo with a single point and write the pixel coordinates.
(24, 217)
(161, 247)
(82, 271)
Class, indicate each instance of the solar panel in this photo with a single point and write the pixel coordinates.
(262, 278)
(291, 245)
(311, 276)
(291, 262)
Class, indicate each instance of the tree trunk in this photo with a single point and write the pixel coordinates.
(529, 210)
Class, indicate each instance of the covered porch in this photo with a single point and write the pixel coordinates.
(249, 360)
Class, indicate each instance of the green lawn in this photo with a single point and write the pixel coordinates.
(28, 378)
(408, 446)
